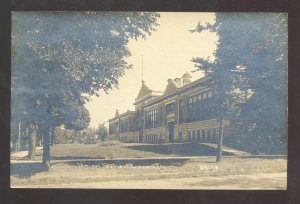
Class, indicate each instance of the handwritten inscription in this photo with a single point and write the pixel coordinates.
(125, 166)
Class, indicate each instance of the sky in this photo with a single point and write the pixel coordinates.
(167, 53)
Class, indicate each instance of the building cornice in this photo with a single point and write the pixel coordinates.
(179, 90)
(123, 115)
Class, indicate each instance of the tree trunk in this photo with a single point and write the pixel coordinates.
(39, 135)
(46, 144)
(221, 134)
(18, 144)
(52, 135)
(75, 135)
(32, 142)
(24, 137)
(17, 140)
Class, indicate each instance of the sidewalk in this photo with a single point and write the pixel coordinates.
(21, 154)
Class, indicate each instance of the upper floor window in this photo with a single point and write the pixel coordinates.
(199, 97)
(199, 107)
(111, 129)
(181, 105)
(170, 108)
(209, 94)
(152, 119)
(124, 125)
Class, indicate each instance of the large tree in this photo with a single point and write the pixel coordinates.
(62, 57)
(250, 68)
(77, 118)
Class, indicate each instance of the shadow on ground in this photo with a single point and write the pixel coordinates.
(183, 149)
(259, 148)
(270, 157)
(73, 157)
(25, 170)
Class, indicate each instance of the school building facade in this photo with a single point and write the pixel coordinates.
(182, 113)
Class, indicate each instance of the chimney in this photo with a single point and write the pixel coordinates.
(117, 113)
(178, 82)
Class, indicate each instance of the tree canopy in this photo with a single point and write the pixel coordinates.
(250, 67)
(77, 118)
(62, 58)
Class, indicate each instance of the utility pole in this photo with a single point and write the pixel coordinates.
(142, 68)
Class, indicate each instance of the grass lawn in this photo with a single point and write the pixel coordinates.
(32, 174)
(71, 168)
(128, 150)
(113, 165)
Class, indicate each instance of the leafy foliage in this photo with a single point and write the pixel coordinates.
(60, 59)
(250, 68)
(102, 132)
(77, 118)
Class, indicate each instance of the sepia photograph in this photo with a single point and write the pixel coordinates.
(149, 100)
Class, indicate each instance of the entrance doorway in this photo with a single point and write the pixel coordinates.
(171, 131)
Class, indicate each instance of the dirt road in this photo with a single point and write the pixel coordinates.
(249, 182)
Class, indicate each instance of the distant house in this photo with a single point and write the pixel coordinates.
(182, 113)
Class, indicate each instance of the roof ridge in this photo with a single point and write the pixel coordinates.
(143, 91)
(171, 87)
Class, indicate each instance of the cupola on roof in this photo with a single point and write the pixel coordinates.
(186, 75)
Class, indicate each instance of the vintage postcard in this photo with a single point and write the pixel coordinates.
(149, 100)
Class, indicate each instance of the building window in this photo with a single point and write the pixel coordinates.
(199, 97)
(189, 136)
(199, 107)
(111, 129)
(194, 108)
(198, 135)
(170, 108)
(152, 119)
(181, 104)
(194, 99)
(160, 116)
(194, 136)
(209, 94)
(214, 134)
(180, 136)
(210, 109)
(117, 128)
(151, 138)
(124, 125)
(203, 136)
(209, 135)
